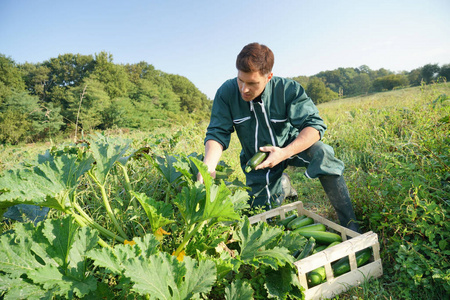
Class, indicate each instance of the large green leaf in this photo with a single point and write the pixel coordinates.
(51, 256)
(218, 203)
(239, 290)
(106, 152)
(254, 240)
(52, 278)
(158, 212)
(18, 288)
(165, 166)
(190, 202)
(282, 283)
(48, 183)
(113, 259)
(162, 276)
(16, 251)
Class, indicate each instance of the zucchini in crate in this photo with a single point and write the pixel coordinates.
(286, 220)
(342, 266)
(299, 222)
(322, 237)
(256, 159)
(307, 250)
(318, 276)
(311, 227)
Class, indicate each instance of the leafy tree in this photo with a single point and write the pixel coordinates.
(364, 69)
(191, 99)
(389, 82)
(360, 84)
(10, 77)
(303, 80)
(139, 71)
(444, 72)
(113, 77)
(24, 118)
(69, 69)
(429, 72)
(415, 77)
(36, 78)
(93, 104)
(318, 92)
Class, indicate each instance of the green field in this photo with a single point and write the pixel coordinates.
(396, 148)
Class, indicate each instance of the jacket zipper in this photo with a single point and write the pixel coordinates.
(252, 108)
(267, 123)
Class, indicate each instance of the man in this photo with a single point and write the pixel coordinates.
(264, 109)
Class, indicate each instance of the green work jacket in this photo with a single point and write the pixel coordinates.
(283, 111)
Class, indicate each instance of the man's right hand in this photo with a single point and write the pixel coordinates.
(213, 152)
(200, 177)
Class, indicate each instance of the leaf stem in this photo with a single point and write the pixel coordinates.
(128, 187)
(187, 237)
(89, 221)
(82, 222)
(107, 206)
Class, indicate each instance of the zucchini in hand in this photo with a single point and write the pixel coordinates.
(258, 158)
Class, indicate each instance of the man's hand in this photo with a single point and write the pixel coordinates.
(213, 151)
(276, 155)
(305, 139)
(200, 177)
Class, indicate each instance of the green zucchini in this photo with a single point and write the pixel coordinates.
(319, 248)
(311, 227)
(342, 266)
(333, 244)
(256, 159)
(307, 250)
(316, 276)
(322, 237)
(299, 222)
(287, 220)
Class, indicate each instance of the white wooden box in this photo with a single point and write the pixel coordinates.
(352, 243)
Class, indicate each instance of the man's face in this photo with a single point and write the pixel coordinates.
(252, 84)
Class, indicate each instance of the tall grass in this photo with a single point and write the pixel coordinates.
(396, 147)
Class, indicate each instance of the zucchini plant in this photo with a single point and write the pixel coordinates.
(90, 249)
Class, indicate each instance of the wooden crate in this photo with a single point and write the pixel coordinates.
(352, 243)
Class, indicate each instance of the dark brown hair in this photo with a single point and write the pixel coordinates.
(255, 58)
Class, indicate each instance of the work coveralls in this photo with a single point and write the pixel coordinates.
(275, 118)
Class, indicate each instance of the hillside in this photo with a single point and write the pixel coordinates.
(75, 93)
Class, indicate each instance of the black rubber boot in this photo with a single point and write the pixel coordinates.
(336, 190)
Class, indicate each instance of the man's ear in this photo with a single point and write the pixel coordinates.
(270, 76)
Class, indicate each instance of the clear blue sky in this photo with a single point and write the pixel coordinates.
(200, 39)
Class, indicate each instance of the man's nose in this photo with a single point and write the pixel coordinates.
(244, 88)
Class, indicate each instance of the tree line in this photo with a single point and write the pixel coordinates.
(345, 82)
(75, 92)
(86, 92)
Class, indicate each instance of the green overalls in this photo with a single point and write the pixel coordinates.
(275, 118)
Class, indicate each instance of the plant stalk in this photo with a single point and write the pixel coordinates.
(82, 222)
(95, 225)
(128, 187)
(108, 207)
(188, 237)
